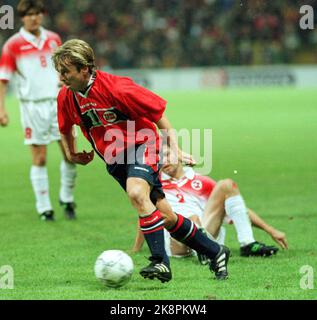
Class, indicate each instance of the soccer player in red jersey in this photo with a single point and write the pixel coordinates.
(209, 203)
(120, 118)
(27, 56)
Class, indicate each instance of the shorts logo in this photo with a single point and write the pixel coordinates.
(110, 116)
(197, 185)
(140, 168)
(28, 133)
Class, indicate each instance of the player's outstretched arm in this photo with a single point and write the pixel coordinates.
(82, 158)
(169, 137)
(4, 118)
(278, 236)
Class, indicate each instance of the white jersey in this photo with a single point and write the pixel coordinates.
(188, 195)
(29, 59)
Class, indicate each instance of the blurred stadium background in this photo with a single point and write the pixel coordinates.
(172, 36)
(176, 33)
(169, 34)
(263, 117)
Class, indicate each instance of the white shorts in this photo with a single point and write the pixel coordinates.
(39, 121)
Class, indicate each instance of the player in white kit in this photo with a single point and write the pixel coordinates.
(27, 56)
(209, 204)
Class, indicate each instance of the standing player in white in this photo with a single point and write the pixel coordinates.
(209, 204)
(27, 56)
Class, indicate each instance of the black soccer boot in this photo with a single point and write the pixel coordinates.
(156, 269)
(220, 263)
(257, 249)
(69, 209)
(47, 215)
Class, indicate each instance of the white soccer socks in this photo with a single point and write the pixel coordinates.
(237, 211)
(39, 180)
(68, 177)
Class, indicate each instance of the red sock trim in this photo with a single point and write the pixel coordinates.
(154, 230)
(180, 220)
(152, 219)
(193, 232)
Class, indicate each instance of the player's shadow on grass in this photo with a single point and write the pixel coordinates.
(154, 287)
(137, 283)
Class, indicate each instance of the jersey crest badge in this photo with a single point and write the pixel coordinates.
(110, 116)
(196, 185)
(53, 44)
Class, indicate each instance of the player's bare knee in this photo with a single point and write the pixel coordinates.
(39, 160)
(137, 196)
(228, 186)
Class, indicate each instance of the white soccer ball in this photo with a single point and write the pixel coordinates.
(114, 268)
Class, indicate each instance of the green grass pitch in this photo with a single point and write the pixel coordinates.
(269, 136)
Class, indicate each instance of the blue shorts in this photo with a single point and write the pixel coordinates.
(138, 169)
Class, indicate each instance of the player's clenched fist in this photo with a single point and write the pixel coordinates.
(82, 157)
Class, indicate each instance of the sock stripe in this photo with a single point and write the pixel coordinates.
(151, 223)
(186, 232)
(193, 232)
(190, 230)
(180, 220)
(153, 230)
(151, 227)
(149, 220)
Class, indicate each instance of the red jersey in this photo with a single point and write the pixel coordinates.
(114, 114)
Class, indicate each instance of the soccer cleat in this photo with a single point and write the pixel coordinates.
(158, 270)
(203, 259)
(69, 209)
(220, 263)
(257, 249)
(47, 215)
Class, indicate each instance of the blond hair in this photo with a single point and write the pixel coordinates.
(76, 52)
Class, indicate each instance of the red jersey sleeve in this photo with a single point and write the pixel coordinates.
(138, 101)
(7, 63)
(64, 121)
